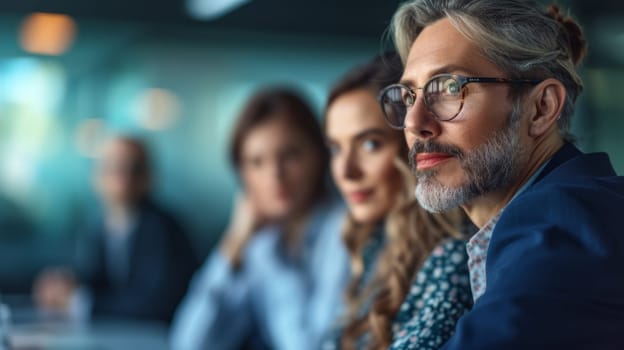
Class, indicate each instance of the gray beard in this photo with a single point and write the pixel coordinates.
(488, 167)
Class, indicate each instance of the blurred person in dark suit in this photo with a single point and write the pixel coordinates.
(134, 261)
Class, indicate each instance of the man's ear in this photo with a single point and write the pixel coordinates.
(548, 99)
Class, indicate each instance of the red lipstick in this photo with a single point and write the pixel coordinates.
(359, 196)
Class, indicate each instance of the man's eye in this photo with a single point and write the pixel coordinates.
(408, 98)
(450, 87)
(370, 145)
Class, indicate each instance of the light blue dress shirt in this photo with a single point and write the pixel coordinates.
(291, 301)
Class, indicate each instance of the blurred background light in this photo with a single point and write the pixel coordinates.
(47, 33)
(29, 81)
(157, 109)
(211, 9)
(90, 134)
(18, 174)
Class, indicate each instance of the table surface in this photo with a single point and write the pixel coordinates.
(29, 329)
(107, 335)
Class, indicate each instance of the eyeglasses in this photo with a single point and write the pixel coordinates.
(443, 96)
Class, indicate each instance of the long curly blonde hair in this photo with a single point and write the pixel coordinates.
(411, 233)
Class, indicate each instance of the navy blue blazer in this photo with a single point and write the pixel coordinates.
(555, 264)
(161, 264)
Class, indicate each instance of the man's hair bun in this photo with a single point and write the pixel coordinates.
(577, 44)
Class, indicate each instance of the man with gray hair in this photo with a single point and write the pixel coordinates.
(485, 101)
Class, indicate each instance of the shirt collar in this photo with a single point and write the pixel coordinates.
(477, 246)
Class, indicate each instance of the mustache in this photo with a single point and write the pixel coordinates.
(432, 147)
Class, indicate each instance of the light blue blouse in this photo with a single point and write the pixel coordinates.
(291, 301)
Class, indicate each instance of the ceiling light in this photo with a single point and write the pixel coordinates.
(47, 33)
(212, 9)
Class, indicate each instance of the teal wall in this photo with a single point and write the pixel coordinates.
(605, 116)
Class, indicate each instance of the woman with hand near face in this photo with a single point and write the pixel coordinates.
(409, 279)
(265, 287)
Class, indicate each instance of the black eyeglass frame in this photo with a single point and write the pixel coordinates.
(462, 80)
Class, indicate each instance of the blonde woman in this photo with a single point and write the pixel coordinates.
(409, 279)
